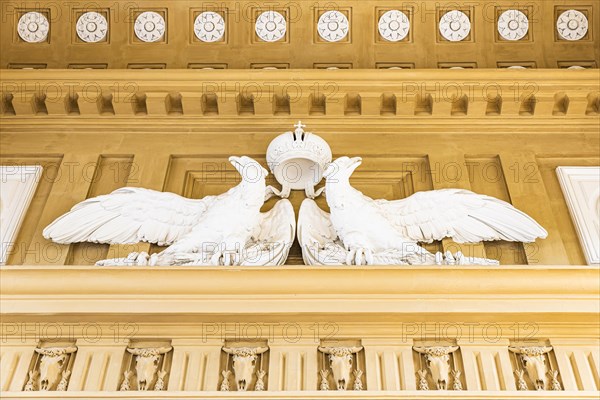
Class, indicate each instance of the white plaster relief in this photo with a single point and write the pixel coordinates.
(209, 27)
(581, 189)
(394, 25)
(572, 25)
(17, 187)
(92, 27)
(455, 26)
(227, 229)
(360, 230)
(333, 26)
(33, 27)
(513, 25)
(271, 26)
(149, 26)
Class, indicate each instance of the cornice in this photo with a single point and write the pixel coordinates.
(538, 291)
(485, 93)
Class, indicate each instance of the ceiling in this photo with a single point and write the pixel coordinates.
(301, 45)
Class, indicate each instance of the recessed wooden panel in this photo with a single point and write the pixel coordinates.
(27, 66)
(206, 66)
(457, 65)
(109, 173)
(408, 10)
(577, 63)
(486, 177)
(270, 65)
(394, 65)
(50, 173)
(18, 13)
(332, 65)
(528, 10)
(547, 166)
(319, 10)
(196, 176)
(135, 12)
(88, 66)
(76, 13)
(469, 11)
(516, 64)
(194, 12)
(585, 9)
(255, 12)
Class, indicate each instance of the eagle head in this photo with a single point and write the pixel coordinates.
(342, 168)
(250, 170)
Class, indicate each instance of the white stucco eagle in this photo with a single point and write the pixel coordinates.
(227, 229)
(360, 230)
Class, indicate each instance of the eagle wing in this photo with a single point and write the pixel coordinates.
(129, 215)
(317, 237)
(270, 245)
(460, 214)
(321, 245)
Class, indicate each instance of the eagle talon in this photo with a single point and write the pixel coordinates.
(226, 258)
(134, 259)
(231, 258)
(359, 256)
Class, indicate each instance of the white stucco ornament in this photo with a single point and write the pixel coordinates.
(209, 27)
(581, 189)
(423, 384)
(333, 26)
(227, 229)
(17, 188)
(572, 25)
(33, 27)
(52, 373)
(225, 387)
(298, 160)
(92, 27)
(244, 365)
(360, 230)
(147, 361)
(341, 360)
(455, 26)
(437, 359)
(149, 26)
(533, 361)
(270, 26)
(393, 25)
(513, 25)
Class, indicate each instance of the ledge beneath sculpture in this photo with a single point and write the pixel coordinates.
(491, 293)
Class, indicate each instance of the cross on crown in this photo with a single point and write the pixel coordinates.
(299, 126)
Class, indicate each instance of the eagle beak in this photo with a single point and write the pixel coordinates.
(353, 164)
(236, 162)
(328, 170)
(356, 160)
